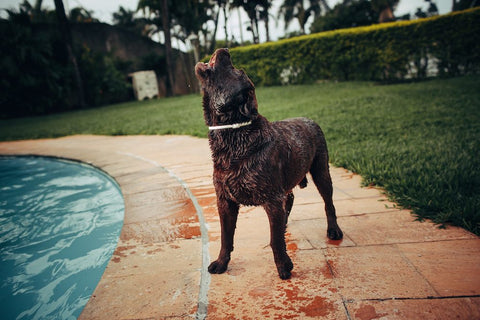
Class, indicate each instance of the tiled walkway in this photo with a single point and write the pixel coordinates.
(388, 266)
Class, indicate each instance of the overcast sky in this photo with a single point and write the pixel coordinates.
(103, 9)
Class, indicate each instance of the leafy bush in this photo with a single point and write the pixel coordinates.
(38, 79)
(386, 52)
(103, 82)
(154, 61)
(346, 15)
(34, 80)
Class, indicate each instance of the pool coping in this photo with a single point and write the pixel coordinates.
(156, 274)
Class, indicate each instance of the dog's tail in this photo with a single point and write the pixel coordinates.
(303, 183)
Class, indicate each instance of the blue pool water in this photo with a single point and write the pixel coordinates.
(59, 225)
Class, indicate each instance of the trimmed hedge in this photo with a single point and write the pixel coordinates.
(450, 44)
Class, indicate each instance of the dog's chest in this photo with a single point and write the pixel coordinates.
(242, 170)
(246, 183)
(243, 189)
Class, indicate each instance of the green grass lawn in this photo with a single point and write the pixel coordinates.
(419, 141)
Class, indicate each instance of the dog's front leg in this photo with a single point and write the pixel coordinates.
(228, 212)
(277, 216)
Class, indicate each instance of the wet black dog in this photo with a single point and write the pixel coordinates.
(257, 162)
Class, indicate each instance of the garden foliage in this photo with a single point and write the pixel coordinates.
(448, 44)
(38, 79)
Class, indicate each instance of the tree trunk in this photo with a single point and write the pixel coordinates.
(301, 17)
(257, 31)
(267, 27)
(325, 5)
(168, 48)
(38, 6)
(241, 25)
(67, 39)
(214, 42)
(254, 29)
(227, 41)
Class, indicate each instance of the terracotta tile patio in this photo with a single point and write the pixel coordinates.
(388, 266)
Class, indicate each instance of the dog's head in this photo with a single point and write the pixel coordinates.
(228, 94)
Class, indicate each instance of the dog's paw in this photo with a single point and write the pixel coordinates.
(217, 267)
(334, 233)
(285, 270)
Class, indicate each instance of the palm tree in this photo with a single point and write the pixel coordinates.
(160, 8)
(265, 6)
(385, 9)
(221, 5)
(38, 6)
(80, 14)
(190, 17)
(67, 39)
(297, 9)
(251, 8)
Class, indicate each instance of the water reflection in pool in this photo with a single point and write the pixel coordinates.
(59, 225)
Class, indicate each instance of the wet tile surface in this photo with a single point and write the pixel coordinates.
(451, 267)
(428, 309)
(396, 226)
(376, 272)
(387, 266)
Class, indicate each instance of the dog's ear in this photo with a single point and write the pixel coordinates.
(250, 108)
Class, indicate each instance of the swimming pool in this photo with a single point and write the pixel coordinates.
(59, 224)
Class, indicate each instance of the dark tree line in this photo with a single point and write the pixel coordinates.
(42, 71)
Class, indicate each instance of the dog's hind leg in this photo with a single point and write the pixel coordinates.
(228, 212)
(321, 177)
(291, 197)
(276, 216)
(288, 205)
(303, 183)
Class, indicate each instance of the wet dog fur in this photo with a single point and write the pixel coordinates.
(259, 163)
